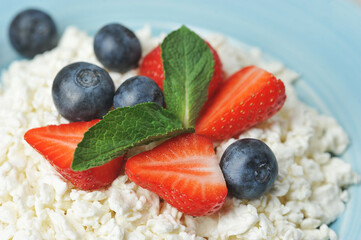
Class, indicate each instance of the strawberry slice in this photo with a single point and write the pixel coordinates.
(247, 98)
(152, 67)
(184, 171)
(57, 144)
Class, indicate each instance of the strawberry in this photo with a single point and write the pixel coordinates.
(152, 67)
(247, 98)
(57, 144)
(184, 171)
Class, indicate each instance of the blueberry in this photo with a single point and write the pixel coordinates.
(32, 32)
(135, 90)
(82, 92)
(249, 168)
(117, 48)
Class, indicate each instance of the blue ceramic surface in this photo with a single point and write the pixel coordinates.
(321, 40)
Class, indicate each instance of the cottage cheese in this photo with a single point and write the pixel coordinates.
(36, 203)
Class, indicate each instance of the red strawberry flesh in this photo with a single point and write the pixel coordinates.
(184, 171)
(152, 66)
(247, 98)
(57, 144)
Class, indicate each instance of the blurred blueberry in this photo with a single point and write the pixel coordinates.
(32, 32)
(117, 48)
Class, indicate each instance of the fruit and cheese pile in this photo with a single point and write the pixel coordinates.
(181, 102)
(184, 74)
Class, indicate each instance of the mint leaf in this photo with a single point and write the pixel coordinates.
(188, 68)
(122, 129)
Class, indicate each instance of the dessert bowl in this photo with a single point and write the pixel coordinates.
(319, 40)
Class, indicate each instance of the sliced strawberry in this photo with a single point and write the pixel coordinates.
(218, 74)
(247, 98)
(152, 67)
(57, 144)
(184, 171)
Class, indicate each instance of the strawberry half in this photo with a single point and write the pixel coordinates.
(184, 171)
(152, 67)
(247, 98)
(57, 144)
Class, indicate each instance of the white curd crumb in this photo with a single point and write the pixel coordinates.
(36, 203)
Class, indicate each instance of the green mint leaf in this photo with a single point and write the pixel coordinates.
(122, 129)
(188, 68)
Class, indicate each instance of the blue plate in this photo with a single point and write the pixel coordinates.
(321, 40)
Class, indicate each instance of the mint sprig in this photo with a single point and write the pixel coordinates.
(122, 129)
(188, 68)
